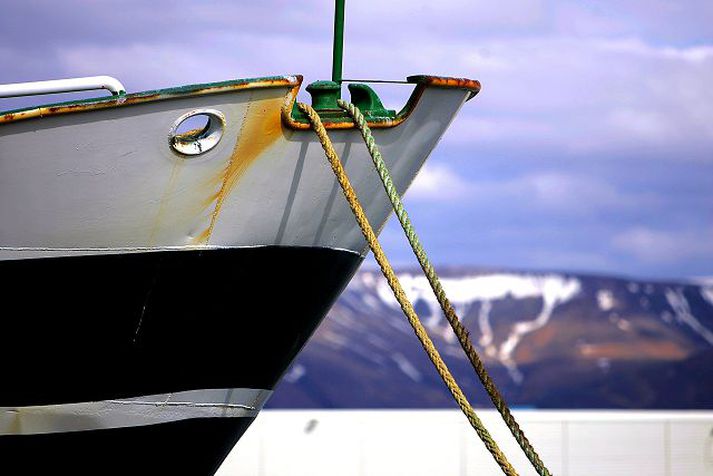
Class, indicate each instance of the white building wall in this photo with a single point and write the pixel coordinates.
(440, 442)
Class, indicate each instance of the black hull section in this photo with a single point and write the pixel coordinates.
(190, 447)
(105, 327)
(111, 326)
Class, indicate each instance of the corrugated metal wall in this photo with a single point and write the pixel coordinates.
(440, 442)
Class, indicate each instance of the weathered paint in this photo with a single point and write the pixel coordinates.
(132, 412)
(149, 96)
(445, 82)
(129, 194)
(291, 120)
(296, 121)
(260, 128)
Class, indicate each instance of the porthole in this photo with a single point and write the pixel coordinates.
(196, 132)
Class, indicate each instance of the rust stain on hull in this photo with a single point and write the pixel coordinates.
(261, 127)
(165, 198)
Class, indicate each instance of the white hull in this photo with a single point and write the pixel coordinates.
(107, 180)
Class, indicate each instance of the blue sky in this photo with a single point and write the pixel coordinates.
(590, 147)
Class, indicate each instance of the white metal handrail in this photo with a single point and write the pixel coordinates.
(56, 86)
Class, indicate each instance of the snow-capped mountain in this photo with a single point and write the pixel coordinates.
(549, 340)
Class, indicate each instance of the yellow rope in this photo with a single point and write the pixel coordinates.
(399, 293)
(429, 271)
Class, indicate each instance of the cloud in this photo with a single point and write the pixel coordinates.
(565, 192)
(551, 197)
(546, 85)
(595, 119)
(584, 97)
(546, 191)
(664, 246)
(635, 46)
(438, 183)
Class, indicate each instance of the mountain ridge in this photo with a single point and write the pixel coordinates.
(550, 340)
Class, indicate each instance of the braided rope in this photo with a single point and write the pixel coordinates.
(399, 293)
(458, 328)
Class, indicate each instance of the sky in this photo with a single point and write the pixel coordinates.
(589, 148)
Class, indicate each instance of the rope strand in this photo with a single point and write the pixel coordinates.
(399, 293)
(428, 269)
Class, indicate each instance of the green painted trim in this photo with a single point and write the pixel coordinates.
(338, 46)
(170, 92)
(378, 114)
(324, 95)
(324, 100)
(368, 101)
(375, 116)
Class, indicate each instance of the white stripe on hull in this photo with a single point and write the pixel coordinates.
(8, 253)
(139, 411)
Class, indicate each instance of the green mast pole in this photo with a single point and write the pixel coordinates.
(338, 47)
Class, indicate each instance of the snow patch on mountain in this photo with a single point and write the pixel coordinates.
(463, 292)
(605, 300)
(623, 325)
(475, 296)
(555, 290)
(682, 310)
(295, 373)
(335, 340)
(707, 293)
(406, 367)
(486, 338)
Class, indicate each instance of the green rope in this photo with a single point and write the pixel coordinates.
(400, 294)
(453, 319)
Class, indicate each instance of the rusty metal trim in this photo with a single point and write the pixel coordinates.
(471, 85)
(149, 96)
(422, 82)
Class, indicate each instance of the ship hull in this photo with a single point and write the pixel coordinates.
(159, 359)
(109, 180)
(153, 298)
(190, 447)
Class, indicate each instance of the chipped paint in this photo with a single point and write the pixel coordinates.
(119, 209)
(422, 83)
(93, 104)
(260, 128)
(293, 82)
(132, 412)
(445, 82)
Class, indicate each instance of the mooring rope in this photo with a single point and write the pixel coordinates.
(399, 293)
(460, 331)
